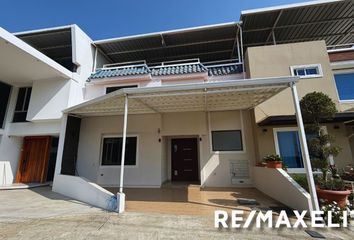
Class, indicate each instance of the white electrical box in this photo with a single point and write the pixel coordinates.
(240, 174)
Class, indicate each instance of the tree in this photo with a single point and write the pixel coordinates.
(317, 107)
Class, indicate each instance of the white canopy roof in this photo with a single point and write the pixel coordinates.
(20, 62)
(211, 96)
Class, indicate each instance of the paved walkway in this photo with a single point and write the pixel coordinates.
(191, 200)
(41, 214)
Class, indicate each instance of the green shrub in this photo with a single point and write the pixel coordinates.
(301, 180)
(272, 158)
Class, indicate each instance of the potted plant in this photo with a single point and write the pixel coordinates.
(273, 161)
(317, 107)
(348, 173)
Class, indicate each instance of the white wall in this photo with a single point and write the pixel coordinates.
(83, 190)
(148, 170)
(152, 168)
(9, 146)
(48, 99)
(96, 88)
(215, 166)
(277, 184)
(83, 54)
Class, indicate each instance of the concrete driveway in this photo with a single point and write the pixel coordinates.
(41, 214)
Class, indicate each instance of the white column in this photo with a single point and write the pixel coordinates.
(304, 150)
(61, 144)
(123, 144)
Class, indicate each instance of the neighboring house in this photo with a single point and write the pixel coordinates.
(41, 73)
(200, 105)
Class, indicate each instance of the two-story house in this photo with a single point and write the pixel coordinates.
(200, 105)
(42, 72)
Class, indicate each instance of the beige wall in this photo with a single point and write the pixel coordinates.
(275, 61)
(154, 166)
(148, 169)
(266, 144)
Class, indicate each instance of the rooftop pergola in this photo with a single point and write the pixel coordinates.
(329, 20)
(207, 43)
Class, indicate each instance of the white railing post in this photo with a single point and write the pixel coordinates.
(304, 149)
(125, 119)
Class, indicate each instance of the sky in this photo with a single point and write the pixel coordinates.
(102, 19)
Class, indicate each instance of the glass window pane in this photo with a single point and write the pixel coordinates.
(227, 140)
(20, 117)
(5, 90)
(311, 71)
(27, 100)
(300, 72)
(345, 86)
(23, 98)
(20, 99)
(289, 148)
(112, 149)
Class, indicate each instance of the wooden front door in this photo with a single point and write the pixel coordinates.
(184, 158)
(34, 159)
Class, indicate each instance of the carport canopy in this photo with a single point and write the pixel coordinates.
(211, 96)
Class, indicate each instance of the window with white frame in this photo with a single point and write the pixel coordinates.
(112, 151)
(288, 147)
(227, 140)
(345, 86)
(307, 71)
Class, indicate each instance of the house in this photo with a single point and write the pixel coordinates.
(200, 105)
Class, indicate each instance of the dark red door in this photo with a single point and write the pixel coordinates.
(184, 159)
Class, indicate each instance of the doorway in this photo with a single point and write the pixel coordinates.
(35, 159)
(184, 159)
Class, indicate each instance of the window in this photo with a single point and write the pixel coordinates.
(4, 100)
(345, 86)
(307, 71)
(230, 140)
(112, 150)
(115, 88)
(288, 146)
(23, 98)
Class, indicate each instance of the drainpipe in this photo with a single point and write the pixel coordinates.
(304, 150)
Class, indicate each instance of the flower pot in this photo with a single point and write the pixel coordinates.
(274, 164)
(330, 196)
(261, 164)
